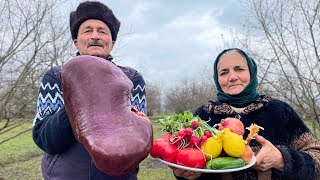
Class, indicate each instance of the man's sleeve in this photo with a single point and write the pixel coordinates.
(138, 98)
(51, 128)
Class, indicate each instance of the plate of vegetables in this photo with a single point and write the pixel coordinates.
(190, 143)
(212, 169)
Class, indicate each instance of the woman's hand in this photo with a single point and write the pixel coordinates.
(185, 174)
(268, 157)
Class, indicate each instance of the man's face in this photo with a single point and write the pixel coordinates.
(94, 38)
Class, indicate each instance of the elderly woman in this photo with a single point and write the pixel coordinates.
(285, 149)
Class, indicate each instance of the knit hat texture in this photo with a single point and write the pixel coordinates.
(93, 10)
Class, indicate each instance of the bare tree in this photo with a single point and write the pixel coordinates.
(33, 38)
(286, 38)
(153, 98)
(189, 94)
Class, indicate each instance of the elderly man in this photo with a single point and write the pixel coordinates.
(94, 30)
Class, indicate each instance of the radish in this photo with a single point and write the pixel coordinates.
(162, 148)
(166, 136)
(177, 143)
(208, 134)
(195, 124)
(191, 157)
(157, 148)
(188, 131)
(181, 134)
(187, 137)
(170, 152)
(203, 139)
(195, 141)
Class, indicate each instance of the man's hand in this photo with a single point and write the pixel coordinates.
(268, 157)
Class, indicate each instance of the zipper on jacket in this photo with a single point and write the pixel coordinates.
(91, 169)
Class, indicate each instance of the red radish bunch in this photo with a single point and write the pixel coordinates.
(191, 157)
(162, 148)
(188, 131)
(192, 136)
(234, 124)
(185, 135)
(183, 138)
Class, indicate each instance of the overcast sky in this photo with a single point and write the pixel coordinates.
(172, 40)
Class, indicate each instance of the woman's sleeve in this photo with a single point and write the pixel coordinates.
(138, 98)
(302, 158)
(51, 127)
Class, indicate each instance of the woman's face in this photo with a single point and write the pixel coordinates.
(94, 38)
(233, 73)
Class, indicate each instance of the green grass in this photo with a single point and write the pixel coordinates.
(20, 158)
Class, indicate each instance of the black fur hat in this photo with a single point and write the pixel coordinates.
(93, 10)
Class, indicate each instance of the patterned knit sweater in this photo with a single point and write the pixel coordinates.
(52, 130)
(282, 127)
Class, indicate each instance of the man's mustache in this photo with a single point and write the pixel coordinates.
(95, 43)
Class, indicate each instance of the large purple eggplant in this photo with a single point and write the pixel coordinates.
(97, 99)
